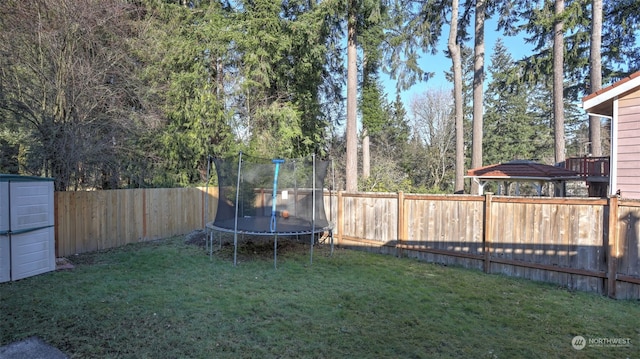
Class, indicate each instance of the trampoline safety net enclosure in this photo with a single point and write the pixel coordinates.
(270, 197)
(266, 196)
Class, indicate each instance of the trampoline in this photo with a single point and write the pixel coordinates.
(270, 197)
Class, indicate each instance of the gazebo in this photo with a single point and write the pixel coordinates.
(521, 171)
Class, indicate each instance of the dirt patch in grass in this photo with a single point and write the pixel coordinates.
(261, 248)
(196, 238)
(251, 247)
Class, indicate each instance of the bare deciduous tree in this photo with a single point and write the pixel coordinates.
(66, 80)
(434, 126)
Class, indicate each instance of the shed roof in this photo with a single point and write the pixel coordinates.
(20, 178)
(523, 170)
(601, 101)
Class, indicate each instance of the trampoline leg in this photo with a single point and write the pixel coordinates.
(210, 244)
(275, 251)
(331, 238)
(311, 249)
(235, 249)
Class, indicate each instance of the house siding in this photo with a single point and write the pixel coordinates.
(628, 147)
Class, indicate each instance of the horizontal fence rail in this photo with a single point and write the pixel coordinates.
(584, 244)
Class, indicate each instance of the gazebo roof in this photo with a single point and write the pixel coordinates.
(523, 170)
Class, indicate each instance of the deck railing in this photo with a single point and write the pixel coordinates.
(588, 166)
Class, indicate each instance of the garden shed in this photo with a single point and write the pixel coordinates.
(27, 242)
(620, 102)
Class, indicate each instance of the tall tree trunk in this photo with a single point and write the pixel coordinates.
(595, 62)
(454, 51)
(558, 82)
(478, 80)
(352, 93)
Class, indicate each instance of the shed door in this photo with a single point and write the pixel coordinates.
(5, 259)
(32, 232)
(31, 205)
(32, 253)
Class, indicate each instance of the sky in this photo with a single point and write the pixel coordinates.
(439, 63)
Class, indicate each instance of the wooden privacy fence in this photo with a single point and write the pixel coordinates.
(89, 221)
(583, 244)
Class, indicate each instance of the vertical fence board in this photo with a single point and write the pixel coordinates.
(547, 230)
(629, 260)
(94, 224)
(138, 212)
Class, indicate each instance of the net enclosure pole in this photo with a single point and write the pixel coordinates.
(206, 197)
(206, 207)
(333, 187)
(272, 225)
(274, 204)
(313, 207)
(235, 225)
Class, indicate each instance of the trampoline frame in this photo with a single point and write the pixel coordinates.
(210, 228)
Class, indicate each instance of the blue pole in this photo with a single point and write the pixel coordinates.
(272, 226)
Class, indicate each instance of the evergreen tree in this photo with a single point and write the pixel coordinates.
(373, 117)
(391, 170)
(510, 128)
(189, 51)
(395, 132)
(618, 51)
(371, 24)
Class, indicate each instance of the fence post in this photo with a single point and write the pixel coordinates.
(486, 233)
(402, 232)
(56, 224)
(613, 247)
(340, 219)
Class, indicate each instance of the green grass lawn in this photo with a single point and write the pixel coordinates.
(168, 299)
